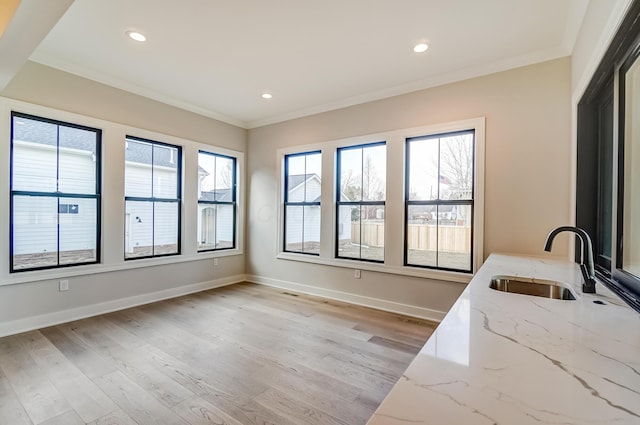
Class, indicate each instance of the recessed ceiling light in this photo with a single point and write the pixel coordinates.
(266, 95)
(420, 47)
(134, 35)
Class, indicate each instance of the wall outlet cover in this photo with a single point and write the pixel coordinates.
(64, 285)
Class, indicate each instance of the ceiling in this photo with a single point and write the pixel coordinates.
(216, 57)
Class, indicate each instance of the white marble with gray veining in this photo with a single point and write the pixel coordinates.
(502, 358)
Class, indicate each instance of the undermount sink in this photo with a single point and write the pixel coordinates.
(531, 286)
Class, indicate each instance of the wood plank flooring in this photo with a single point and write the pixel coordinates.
(240, 355)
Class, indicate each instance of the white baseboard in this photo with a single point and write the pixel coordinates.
(55, 318)
(391, 306)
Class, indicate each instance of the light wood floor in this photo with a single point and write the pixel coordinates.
(240, 355)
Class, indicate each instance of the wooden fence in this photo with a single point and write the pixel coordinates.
(424, 237)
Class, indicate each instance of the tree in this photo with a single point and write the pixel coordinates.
(225, 175)
(349, 187)
(372, 189)
(456, 164)
(360, 181)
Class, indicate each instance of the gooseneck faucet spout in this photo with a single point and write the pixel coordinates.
(588, 271)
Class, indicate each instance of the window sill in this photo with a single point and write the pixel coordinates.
(442, 275)
(66, 272)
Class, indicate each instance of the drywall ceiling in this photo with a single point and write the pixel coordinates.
(216, 57)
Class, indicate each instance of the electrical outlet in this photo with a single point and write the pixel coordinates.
(64, 285)
(215, 262)
(356, 274)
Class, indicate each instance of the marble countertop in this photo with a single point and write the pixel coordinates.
(502, 358)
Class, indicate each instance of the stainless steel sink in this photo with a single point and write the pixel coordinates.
(531, 286)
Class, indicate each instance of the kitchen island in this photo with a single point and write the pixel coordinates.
(505, 358)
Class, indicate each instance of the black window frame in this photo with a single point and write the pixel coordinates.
(438, 202)
(360, 203)
(233, 202)
(623, 50)
(288, 203)
(57, 194)
(153, 199)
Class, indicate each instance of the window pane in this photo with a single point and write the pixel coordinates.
(422, 235)
(423, 169)
(311, 241)
(216, 177)
(361, 232)
(350, 174)
(314, 171)
(35, 232)
(304, 173)
(454, 237)
(137, 173)
(215, 226)
(34, 155)
(138, 235)
(206, 176)
(372, 232)
(302, 233)
(224, 226)
(349, 231)
(631, 207)
(456, 167)
(224, 178)
(294, 218)
(374, 172)
(77, 159)
(78, 231)
(165, 172)
(296, 173)
(439, 236)
(165, 232)
(207, 226)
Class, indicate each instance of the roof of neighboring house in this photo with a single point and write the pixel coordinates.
(143, 152)
(296, 180)
(46, 133)
(224, 195)
(50, 134)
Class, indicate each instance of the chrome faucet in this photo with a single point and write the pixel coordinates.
(588, 272)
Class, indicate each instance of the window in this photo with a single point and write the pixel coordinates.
(302, 190)
(372, 209)
(439, 201)
(627, 269)
(607, 195)
(216, 201)
(360, 202)
(152, 198)
(55, 193)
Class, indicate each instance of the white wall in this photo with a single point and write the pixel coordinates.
(527, 177)
(34, 299)
(600, 23)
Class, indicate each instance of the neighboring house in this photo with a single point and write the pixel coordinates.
(36, 219)
(148, 223)
(215, 221)
(304, 222)
(307, 187)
